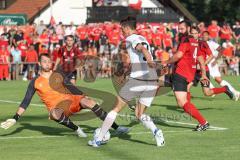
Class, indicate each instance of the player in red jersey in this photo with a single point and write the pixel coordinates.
(185, 66)
(204, 50)
(69, 57)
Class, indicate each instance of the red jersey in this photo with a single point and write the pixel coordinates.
(96, 34)
(114, 37)
(31, 56)
(44, 39)
(4, 55)
(157, 39)
(227, 34)
(69, 57)
(167, 40)
(186, 66)
(82, 33)
(213, 31)
(54, 39)
(54, 55)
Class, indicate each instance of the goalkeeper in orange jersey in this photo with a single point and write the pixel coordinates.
(60, 102)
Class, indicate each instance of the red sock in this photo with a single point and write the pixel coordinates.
(188, 96)
(219, 90)
(193, 111)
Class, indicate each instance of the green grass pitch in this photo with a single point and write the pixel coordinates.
(36, 137)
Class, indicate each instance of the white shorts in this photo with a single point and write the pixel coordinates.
(144, 91)
(214, 71)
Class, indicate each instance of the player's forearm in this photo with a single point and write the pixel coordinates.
(56, 63)
(176, 57)
(202, 65)
(19, 113)
(147, 55)
(209, 59)
(220, 52)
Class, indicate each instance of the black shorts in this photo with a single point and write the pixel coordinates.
(179, 83)
(197, 78)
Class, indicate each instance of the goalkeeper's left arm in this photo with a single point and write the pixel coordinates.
(23, 106)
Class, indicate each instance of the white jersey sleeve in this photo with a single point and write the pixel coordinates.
(213, 47)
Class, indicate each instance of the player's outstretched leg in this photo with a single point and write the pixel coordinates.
(148, 123)
(57, 115)
(101, 114)
(230, 87)
(107, 123)
(190, 109)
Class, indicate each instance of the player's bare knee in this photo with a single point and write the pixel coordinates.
(55, 114)
(182, 102)
(87, 102)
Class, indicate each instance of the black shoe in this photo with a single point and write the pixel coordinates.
(229, 93)
(202, 127)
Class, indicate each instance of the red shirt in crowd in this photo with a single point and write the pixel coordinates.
(157, 39)
(4, 55)
(213, 31)
(31, 56)
(167, 40)
(114, 37)
(44, 39)
(82, 32)
(54, 39)
(225, 33)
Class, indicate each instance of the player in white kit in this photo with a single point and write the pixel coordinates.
(214, 67)
(141, 85)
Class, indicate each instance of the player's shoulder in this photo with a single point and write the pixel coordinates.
(186, 39)
(203, 43)
(34, 80)
(134, 37)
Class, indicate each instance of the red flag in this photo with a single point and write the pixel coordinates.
(136, 6)
(52, 21)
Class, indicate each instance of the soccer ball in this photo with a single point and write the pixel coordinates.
(105, 138)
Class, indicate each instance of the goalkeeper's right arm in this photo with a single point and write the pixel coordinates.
(23, 106)
(10, 122)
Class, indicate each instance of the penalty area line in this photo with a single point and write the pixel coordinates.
(178, 122)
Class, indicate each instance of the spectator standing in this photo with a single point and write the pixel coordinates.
(31, 60)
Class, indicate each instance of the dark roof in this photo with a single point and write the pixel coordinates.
(31, 8)
(179, 8)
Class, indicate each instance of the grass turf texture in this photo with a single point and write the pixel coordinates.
(36, 137)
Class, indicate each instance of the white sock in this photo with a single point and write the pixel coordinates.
(225, 83)
(107, 123)
(211, 85)
(148, 123)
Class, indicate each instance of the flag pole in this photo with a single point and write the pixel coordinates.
(51, 11)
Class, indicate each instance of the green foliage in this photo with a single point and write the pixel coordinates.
(221, 10)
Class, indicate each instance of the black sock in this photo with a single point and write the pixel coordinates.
(102, 115)
(63, 120)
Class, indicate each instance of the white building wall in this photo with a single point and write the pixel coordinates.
(68, 11)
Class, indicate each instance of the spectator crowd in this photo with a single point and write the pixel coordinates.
(20, 46)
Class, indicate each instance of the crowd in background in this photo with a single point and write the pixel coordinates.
(20, 46)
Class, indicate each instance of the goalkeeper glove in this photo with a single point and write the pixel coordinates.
(8, 123)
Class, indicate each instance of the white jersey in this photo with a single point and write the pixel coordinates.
(213, 70)
(140, 68)
(213, 47)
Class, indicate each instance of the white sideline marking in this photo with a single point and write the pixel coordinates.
(30, 137)
(122, 115)
(176, 122)
(34, 104)
(16, 102)
(131, 133)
